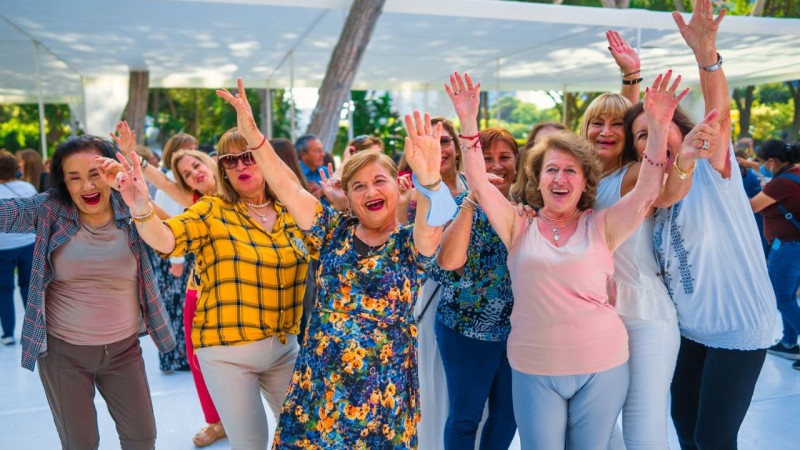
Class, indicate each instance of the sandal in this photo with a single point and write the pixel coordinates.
(208, 435)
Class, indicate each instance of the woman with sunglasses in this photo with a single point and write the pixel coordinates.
(252, 261)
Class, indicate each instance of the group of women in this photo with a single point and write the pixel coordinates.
(636, 264)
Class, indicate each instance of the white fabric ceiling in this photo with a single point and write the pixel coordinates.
(416, 44)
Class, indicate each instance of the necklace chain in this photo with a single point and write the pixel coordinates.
(555, 222)
(263, 205)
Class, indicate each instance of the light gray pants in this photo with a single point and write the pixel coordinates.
(236, 374)
(576, 412)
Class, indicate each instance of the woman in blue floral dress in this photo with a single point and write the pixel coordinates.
(355, 382)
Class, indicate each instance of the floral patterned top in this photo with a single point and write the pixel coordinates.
(355, 382)
(478, 303)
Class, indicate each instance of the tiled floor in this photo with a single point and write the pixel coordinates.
(26, 423)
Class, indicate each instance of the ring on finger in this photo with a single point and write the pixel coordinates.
(706, 144)
(457, 91)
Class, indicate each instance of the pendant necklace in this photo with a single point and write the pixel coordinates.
(263, 205)
(555, 222)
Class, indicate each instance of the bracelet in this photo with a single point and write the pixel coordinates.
(632, 73)
(653, 163)
(143, 163)
(433, 186)
(632, 82)
(264, 139)
(714, 66)
(470, 138)
(474, 146)
(144, 217)
(470, 203)
(681, 174)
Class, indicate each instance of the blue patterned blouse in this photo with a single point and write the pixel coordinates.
(478, 303)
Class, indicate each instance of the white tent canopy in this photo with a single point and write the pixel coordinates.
(416, 44)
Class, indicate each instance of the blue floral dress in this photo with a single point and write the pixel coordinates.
(355, 383)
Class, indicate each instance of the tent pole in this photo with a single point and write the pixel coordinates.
(639, 42)
(564, 105)
(42, 135)
(292, 119)
(497, 88)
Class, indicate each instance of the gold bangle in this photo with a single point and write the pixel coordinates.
(681, 174)
(144, 217)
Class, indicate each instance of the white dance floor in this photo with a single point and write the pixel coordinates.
(26, 422)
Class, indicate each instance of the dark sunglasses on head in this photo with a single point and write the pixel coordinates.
(445, 140)
(231, 160)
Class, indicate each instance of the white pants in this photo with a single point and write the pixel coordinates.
(653, 347)
(433, 401)
(235, 375)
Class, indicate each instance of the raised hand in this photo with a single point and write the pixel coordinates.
(701, 31)
(702, 140)
(626, 57)
(129, 182)
(661, 100)
(244, 114)
(406, 188)
(124, 137)
(422, 148)
(466, 97)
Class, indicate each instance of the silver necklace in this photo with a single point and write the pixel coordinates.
(555, 222)
(253, 209)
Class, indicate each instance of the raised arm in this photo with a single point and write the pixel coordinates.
(126, 142)
(629, 65)
(622, 219)
(424, 154)
(455, 242)
(501, 213)
(701, 36)
(280, 178)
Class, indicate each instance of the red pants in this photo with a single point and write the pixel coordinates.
(209, 410)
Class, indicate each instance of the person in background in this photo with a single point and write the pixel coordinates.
(92, 268)
(145, 153)
(751, 182)
(365, 142)
(16, 250)
(312, 160)
(779, 203)
(33, 168)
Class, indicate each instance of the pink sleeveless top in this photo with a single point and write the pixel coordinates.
(562, 323)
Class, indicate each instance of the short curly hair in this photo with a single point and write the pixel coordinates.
(570, 143)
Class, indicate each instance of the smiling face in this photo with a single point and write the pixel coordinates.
(607, 136)
(640, 130)
(196, 175)
(373, 195)
(561, 182)
(314, 156)
(448, 166)
(501, 160)
(85, 186)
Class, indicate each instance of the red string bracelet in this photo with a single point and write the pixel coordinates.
(259, 145)
(653, 163)
(470, 138)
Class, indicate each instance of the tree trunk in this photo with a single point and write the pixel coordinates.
(758, 8)
(618, 4)
(346, 56)
(137, 102)
(794, 88)
(678, 5)
(744, 105)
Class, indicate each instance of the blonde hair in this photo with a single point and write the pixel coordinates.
(232, 142)
(572, 144)
(34, 166)
(609, 104)
(204, 160)
(362, 159)
(180, 141)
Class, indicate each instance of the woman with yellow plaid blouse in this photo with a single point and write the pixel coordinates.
(252, 261)
(355, 383)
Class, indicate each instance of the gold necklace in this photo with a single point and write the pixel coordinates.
(555, 222)
(263, 205)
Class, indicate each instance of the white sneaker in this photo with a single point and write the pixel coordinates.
(7, 340)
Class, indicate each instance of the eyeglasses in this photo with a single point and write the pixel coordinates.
(361, 139)
(445, 140)
(231, 160)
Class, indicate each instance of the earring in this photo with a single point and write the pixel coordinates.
(584, 189)
(537, 188)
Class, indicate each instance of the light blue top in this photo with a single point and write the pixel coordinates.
(708, 248)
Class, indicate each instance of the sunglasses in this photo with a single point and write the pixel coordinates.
(231, 160)
(444, 141)
(361, 139)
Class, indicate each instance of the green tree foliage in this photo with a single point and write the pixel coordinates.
(519, 117)
(19, 126)
(374, 115)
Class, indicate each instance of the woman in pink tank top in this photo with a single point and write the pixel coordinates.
(568, 348)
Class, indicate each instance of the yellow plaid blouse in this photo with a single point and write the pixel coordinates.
(251, 282)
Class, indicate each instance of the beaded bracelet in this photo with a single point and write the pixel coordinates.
(681, 174)
(470, 203)
(653, 163)
(470, 138)
(144, 217)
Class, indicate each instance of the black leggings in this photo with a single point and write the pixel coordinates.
(711, 392)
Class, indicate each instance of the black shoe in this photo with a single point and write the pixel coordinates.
(7, 340)
(796, 365)
(789, 353)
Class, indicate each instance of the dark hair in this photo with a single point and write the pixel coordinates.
(777, 149)
(301, 144)
(285, 151)
(73, 145)
(8, 166)
(679, 118)
(34, 167)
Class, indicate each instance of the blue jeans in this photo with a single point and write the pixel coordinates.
(22, 259)
(476, 371)
(784, 273)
